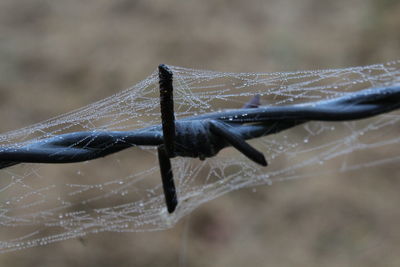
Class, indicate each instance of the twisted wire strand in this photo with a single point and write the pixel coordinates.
(248, 123)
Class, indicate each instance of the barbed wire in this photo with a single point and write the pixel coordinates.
(248, 123)
(204, 135)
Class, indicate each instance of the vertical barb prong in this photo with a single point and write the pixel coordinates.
(167, 108)
(166, 151)
(167, 178)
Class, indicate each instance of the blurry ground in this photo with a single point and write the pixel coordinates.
(56, 56)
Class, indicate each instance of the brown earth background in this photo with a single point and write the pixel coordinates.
(56, 56)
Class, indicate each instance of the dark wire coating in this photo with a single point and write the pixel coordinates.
(248, 123)
(201, 136)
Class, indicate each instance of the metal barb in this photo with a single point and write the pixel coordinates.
(166, 151)
(167, 178)
(221, 129)
(167, 108)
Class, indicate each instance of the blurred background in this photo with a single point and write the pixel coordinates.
(56, 56)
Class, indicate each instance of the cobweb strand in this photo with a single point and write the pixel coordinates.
(44, 203)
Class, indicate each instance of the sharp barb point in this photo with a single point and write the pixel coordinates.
(167, 177)
(237, 142)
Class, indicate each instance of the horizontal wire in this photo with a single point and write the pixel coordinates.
(248, 123)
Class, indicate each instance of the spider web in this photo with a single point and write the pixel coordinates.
(45, 203)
